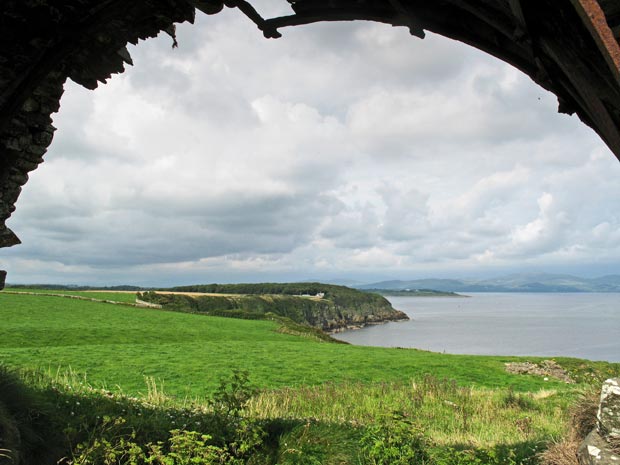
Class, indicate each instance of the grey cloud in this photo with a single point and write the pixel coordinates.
(406, 215)
(153, 74)
(72, 139)
(212, 98)
(277, 224)
(352, 228)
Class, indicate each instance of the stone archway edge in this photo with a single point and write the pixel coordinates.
(594, 18)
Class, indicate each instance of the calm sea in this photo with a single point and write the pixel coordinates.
(571, 325)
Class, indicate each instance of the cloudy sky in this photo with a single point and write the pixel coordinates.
(348, 150)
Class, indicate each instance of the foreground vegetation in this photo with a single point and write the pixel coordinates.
(433, 422)
(104, 384)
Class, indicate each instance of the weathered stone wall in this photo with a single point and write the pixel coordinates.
(24, 140)
(599, 447)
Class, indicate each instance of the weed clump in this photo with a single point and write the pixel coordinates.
(582, 422)
(395, 440)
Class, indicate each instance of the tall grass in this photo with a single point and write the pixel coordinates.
(446, 412)
(329, 424)
(335, 423)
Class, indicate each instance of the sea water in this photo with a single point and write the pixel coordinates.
(582, 325)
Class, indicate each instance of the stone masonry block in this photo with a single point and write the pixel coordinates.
(594, 450)
(609, 410)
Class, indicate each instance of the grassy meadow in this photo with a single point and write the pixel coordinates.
(159, 370)
(117, 346)
(121, 297)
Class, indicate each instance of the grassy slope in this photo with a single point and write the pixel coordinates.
(323, 389)
(120, 346)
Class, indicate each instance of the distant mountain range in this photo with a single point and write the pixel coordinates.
(522, 282)
(527, 282)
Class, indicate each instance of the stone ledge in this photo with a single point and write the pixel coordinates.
(594, 450)
(596, 447)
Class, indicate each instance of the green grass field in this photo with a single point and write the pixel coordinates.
(125, 297)
(120, 346)
(468, 408)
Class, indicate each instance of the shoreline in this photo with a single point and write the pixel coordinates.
(583, 326)
(343, 329)
(423, 296)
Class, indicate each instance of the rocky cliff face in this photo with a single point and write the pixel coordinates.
(332, 313)
(336, 318)
(346, 320)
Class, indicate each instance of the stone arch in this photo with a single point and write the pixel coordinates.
(569, 47)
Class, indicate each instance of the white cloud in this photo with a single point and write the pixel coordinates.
(542, 233)
(236, 158)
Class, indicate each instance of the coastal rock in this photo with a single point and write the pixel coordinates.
(349, 320)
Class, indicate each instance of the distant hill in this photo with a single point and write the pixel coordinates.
(336, 281)
(524, 282)
(444, 285)
(413, 293)
(71, 287)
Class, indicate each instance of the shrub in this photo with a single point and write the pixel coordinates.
(242, 435)
(395, 440)
(518, 400)
(231, 440)
(181, 448)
